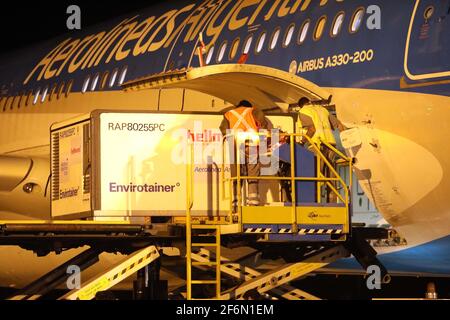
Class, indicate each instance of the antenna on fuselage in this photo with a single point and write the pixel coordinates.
(200, 49)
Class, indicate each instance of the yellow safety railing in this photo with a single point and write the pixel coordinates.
(189, 244)
(189, 204)
(319, 179)
(236, 217)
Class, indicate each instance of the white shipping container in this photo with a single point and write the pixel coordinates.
(111, 164)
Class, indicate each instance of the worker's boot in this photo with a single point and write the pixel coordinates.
(253, 193)
(252, 202)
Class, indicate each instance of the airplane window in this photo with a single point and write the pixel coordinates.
(95, 82)
(112, 81)
(5, 103)
(36, 96)
(27, 100)
(12, 103)
(337, 25)
(210, 55)
(11, 106)
(303, 32)
(275, 37)
(429, 11)
(69, 88)
(247, 45)
(320, 27)
(234, 48)
(288, 36)
(85, 84)
(44, 94)
(104, 80)
(261, 40)
(60, 90)
(357, 20)
(52, 92)
(123, 74)
(21, 99)
(223, 47)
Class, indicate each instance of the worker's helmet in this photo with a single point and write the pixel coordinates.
(245, 103)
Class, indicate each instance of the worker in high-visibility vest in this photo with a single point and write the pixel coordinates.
(245, 121)
(318, 124)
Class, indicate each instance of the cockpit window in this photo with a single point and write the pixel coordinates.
(221, 54)
(274, 41)
(288, 36)
(320, 27)
(357, 20)
(337, 24)
(303, 32)
(261, 40)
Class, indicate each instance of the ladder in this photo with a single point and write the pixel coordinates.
(203, 229)
(207, 263)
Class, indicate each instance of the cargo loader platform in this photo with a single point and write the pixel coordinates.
(306, 220)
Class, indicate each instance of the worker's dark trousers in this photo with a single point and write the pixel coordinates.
(251, 168)
(325, 170)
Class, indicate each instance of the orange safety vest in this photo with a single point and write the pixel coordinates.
(242, 119)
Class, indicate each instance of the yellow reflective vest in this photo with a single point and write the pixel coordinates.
(320, 117)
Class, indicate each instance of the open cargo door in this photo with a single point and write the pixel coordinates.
(263, 86)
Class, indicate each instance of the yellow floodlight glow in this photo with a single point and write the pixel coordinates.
(243, 136)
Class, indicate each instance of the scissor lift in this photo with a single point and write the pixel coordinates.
(323, 229)
(325, 225)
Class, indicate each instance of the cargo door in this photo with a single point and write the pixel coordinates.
(265, 87)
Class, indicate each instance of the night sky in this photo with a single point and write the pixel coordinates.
(41, 20)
